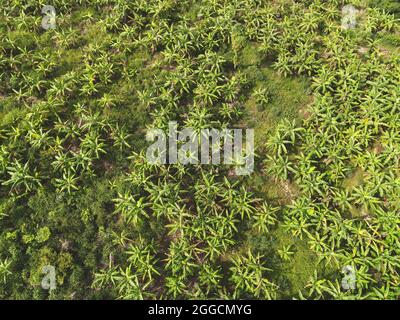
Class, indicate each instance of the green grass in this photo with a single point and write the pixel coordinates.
(292, 275)
(289, 98)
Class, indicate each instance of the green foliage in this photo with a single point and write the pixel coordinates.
(77, 192)
(391, 6)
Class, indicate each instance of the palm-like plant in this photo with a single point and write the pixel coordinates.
(21, 179)
(264, 218)
(133, 210)
(5, 269)
(248, 277)
(67, 183)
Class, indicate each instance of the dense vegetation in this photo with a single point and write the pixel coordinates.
(76, 189)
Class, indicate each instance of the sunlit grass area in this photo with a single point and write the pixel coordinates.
(82, 86)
